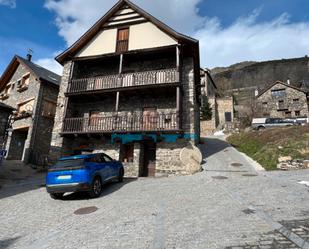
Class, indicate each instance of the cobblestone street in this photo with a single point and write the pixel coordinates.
(228, 205)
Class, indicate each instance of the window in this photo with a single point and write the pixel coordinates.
(288, 114)
(278, 93)
(295, 101)
(26, 107)
(127, 153)
(228, 117)
(281, 104)
(297, 113)
(23, 83)
(265, 104)
(49, 108)
(6, 92)
(106, 158)
(122, 40)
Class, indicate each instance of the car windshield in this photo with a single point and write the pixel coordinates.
(69, 163)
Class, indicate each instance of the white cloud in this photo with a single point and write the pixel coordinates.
(10, 3)
(245, 39)
(50, 64)
(74, 17)
(248, 40)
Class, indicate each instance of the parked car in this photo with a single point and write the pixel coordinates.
(263, 123)
(85, 173)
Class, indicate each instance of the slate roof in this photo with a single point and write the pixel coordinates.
(41, 72)
(282, 83)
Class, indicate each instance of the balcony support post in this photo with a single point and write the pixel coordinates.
(120, 64)
(178, 105)
(177, 57)
(117, 102)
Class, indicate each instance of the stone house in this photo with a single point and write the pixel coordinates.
(282, 100)
(5, 113)
(130, 88)
(222, 107)
(32, 91)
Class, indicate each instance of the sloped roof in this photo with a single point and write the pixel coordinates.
(40, 72)
(84, 39)
(282, 83)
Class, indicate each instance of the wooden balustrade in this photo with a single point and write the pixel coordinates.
(128, 123)
(167, 76)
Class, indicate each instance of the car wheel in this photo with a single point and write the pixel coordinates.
(260, 128)
(121, 174)
(96, 187)
(56, 196)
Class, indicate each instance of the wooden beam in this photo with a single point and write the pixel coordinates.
(117, 102)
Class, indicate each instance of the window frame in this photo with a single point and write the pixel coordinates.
(118, 41)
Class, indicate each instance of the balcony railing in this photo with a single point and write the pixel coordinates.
(120, 124)
(167, 76)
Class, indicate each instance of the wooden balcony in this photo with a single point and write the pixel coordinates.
(121, 81)
(122, 124)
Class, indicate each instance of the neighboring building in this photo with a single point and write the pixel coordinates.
(130, 88)
(222, 107)
(32, 91)
(282, 100)
(5, 113)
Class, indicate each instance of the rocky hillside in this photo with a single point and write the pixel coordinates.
(244, 78)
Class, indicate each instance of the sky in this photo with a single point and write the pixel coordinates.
(229, 31)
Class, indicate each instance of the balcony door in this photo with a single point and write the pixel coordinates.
(150, 118)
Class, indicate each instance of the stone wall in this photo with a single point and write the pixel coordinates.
(224, 105)
(43, 125)
(19, 97)
(268, 106)
(168, 158)
(190, 109)
(58, 145)
(208, 127)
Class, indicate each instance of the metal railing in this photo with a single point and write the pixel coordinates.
(128, 123)
(167, 76)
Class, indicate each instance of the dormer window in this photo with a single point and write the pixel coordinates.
(122, 40)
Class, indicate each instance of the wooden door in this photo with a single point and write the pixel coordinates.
(150, 119)
(149, 162)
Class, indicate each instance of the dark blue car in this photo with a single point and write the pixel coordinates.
(82, 173)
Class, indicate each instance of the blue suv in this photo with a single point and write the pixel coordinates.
(82, 173)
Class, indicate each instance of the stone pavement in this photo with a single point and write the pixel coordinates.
(228, 205)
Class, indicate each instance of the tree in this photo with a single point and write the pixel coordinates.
(206, 110)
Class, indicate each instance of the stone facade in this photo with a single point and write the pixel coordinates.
(282, 100)
(222, 107)
(155, 84)
(30, 137)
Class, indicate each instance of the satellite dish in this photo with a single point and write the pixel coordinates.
(191, 157)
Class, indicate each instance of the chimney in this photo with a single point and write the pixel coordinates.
(288, 81)
(29, 57)
(256, 92)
